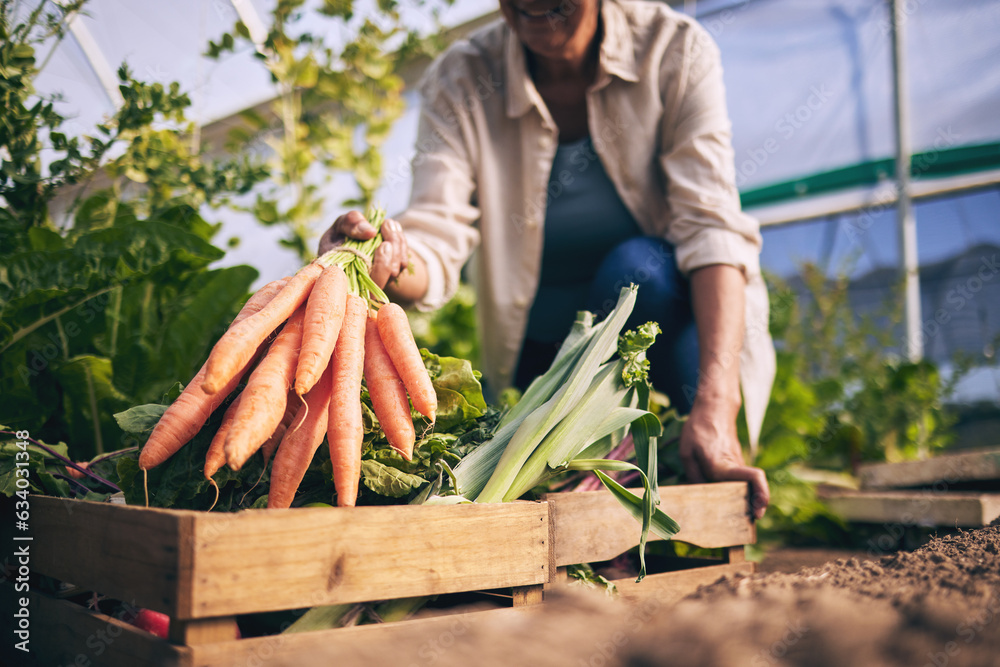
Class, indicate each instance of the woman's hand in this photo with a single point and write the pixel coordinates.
(711, 452)
(392, 257)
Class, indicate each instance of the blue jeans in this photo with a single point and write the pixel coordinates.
(664, 297)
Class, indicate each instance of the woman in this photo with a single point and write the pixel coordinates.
(579, 146)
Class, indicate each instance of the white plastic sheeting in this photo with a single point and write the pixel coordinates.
(809, 83)
(166, 41)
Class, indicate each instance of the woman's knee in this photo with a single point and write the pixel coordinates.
(647, 262)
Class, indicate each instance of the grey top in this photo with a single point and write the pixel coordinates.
(584, 219)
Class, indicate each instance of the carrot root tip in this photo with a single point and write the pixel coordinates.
(216, 487)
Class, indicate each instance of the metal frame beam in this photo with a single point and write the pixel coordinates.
(95, 59)
(904, 202)
(872, 198)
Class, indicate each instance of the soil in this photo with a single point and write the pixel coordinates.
(793, 559)
(938, 606)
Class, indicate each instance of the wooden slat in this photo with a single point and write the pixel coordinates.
(591, 526)
(280, 559)
(455, 640)
(423, 641)
(68, 634)
(915, 508)
(203, 630)
(129, 553)
(670, 587)
(559, 577)
(972, 466)
(735, 554)
(528, 595)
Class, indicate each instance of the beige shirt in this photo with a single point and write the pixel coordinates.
(658, 122)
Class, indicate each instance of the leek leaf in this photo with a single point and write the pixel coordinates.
(538, 424)
(645, 438)
(642, 509)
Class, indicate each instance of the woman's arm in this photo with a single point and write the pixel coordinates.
(709, 447)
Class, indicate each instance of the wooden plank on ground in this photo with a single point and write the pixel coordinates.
(266, 560)
(64, 633)
(129, 553)
(940, 471)
(669, 587)
(591, 526)
(915, 508)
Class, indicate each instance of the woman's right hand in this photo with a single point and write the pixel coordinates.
(391, 258)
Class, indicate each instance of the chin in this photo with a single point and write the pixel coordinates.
(548, 47)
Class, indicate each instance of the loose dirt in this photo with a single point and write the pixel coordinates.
(938, 606)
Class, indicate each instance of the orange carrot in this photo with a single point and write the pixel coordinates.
(271, 444)
(189, 411)
(236, 347)
(387, 392)
(394, 330)
(345, 430)
(216, 456)
(266, 394)
(324, 314)
(300, 443)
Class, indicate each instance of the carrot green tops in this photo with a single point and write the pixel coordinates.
(657, 119)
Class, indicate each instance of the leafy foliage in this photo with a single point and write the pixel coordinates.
(452, 329)
(44, 469)
(335, 108)
(875, 404)
(840, 398)
(110, 307)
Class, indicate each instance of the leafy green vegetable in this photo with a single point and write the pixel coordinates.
(141, 419)
(40, 467)
(583, 575)
(459, 392)
(389, 481)
(632, 346)
(47, 473)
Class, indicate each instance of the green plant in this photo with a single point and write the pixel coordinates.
(335, 108)
(840, 398)
(109, 307)
(451, 330)
(877, 405)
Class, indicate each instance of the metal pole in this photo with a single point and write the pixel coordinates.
(95, 58)
(904, 204)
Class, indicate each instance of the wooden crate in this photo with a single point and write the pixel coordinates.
(202, 568)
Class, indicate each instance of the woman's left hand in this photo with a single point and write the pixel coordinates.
(711, 452)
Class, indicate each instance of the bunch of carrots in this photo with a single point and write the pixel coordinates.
(304, 343)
